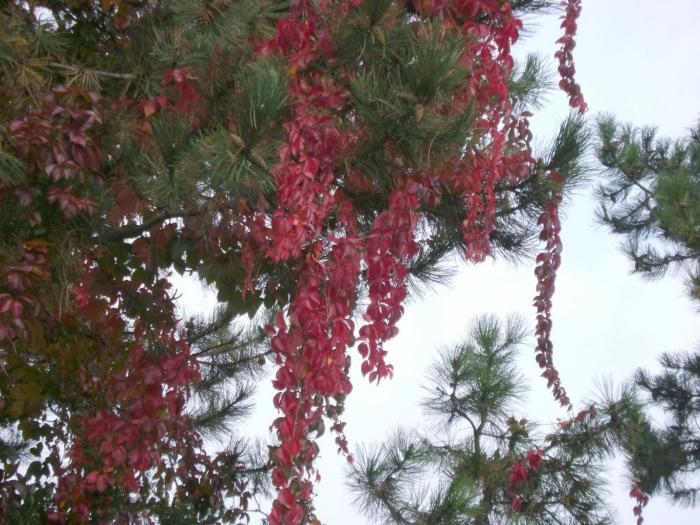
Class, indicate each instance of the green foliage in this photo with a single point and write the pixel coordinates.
(460, 470)
(477, 382)
(232, 356)
(11, 168)
(518, 209)
(666, 458)
(261, 99)
(530, 83)
(431, 68)
(651, 195)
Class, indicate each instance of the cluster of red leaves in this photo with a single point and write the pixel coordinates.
(587, 415)
(129, 361)
(520, 472)
(547, 264)
(64, 161)
(18, 299)
(521, 479)
(56, 137)
(142, 398)
(548, 261)
(310, 344)
(491, 29)
(642, 498)
(390, 245)
(565, 56)
(183, 99)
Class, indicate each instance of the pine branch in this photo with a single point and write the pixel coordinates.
(135, 230)
(79, 70)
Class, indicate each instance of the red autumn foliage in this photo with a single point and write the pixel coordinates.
(547, 264)
(139, 367)
(565, 56)
(534, 459)
(517, 504)
(642, 499)
(518, 473)
(311, 347)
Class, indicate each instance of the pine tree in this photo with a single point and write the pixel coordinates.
(666, 459)
(650, 194)
(478, 464)
(304, 158)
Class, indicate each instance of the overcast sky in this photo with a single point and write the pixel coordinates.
(639, 60)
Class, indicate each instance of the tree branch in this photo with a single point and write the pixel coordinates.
(78, 69)
(137, 229)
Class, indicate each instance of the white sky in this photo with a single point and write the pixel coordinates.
(639, 60)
